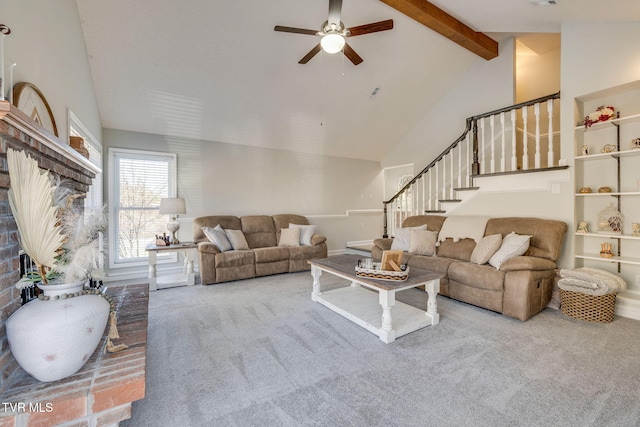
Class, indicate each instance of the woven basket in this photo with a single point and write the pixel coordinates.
(588, 307)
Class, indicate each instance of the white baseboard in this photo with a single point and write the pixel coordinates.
(628, 305)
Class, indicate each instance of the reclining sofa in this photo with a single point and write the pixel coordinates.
(520, 288)
(263, 256)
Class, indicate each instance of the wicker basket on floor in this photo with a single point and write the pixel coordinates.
(588, 307)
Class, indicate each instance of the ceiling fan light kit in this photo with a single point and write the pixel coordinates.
(333, 34)
(332, 43)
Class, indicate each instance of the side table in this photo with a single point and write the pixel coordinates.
(188, 275)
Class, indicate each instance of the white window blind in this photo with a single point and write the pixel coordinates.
(139, 179)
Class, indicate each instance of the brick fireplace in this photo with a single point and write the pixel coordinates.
(100, 393)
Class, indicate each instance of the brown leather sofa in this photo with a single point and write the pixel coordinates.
(264, 257)
(520, 288)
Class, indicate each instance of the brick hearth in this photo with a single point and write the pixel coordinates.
(101, 393)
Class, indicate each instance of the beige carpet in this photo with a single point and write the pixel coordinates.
(260, 353)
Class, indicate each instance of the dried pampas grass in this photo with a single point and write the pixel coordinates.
(31, 200)
(52, 230)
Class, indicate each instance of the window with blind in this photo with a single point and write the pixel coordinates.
(139, 179)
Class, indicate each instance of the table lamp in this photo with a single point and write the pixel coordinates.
(173, 206)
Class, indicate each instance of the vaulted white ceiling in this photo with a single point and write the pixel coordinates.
(216, 70)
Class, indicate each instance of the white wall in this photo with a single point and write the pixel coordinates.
(537, 75)
(47, 44)
(487, 85)
(226, 179)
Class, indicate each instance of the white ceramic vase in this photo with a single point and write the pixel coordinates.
(52, 339)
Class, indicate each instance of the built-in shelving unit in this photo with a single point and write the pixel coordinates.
(617, 169)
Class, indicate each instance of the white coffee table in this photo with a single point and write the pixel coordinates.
(378, 312)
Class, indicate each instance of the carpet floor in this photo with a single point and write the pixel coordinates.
(259, 352)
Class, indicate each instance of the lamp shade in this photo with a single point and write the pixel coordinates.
(172, 206)
(332, 43)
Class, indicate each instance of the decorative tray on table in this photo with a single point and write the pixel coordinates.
(377, 273)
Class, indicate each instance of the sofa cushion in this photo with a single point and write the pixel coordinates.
(283, 220)
(423, 242)
(460, 250)
(289, 237)
(225, 221)
(485, 248)
(234, 258)
(264, 255)
(477, 276)
(439, 265)
(218, 237)
(433, 222)
(237, 240)
(402, 237)
(547, 234)
(307, 252)
(513, 245)
(259, 231)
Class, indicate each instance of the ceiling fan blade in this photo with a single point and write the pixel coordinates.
(295, 30)
(351, 54)
(313, 52)
(374, 27)
(335, 9)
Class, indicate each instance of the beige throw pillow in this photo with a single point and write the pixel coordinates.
(237, 239)
(486, 247)
(218, 237)
(289, 237)
(306, 232)
(513, 245)
(402, 237)
(423, 242)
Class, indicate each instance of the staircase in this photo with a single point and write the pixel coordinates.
(512, 140)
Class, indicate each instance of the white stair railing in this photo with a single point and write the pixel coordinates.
(512, 133)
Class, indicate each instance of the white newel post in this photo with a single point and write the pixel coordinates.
(469, 160)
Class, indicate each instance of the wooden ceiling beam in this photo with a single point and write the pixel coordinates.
(440, 21)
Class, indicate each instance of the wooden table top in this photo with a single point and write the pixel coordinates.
(345, 265)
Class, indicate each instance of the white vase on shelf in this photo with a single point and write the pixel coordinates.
(53, 338)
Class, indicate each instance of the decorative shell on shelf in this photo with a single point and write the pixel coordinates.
(585, 190)
(604, 190)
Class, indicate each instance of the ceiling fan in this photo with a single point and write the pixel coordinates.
(334, 33)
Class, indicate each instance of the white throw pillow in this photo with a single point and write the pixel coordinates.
(513, 245)
(306, 233)
(423, 242)
(402, 237)
(218, 237)
(486, 248)
(289, 237)
(237, 240)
